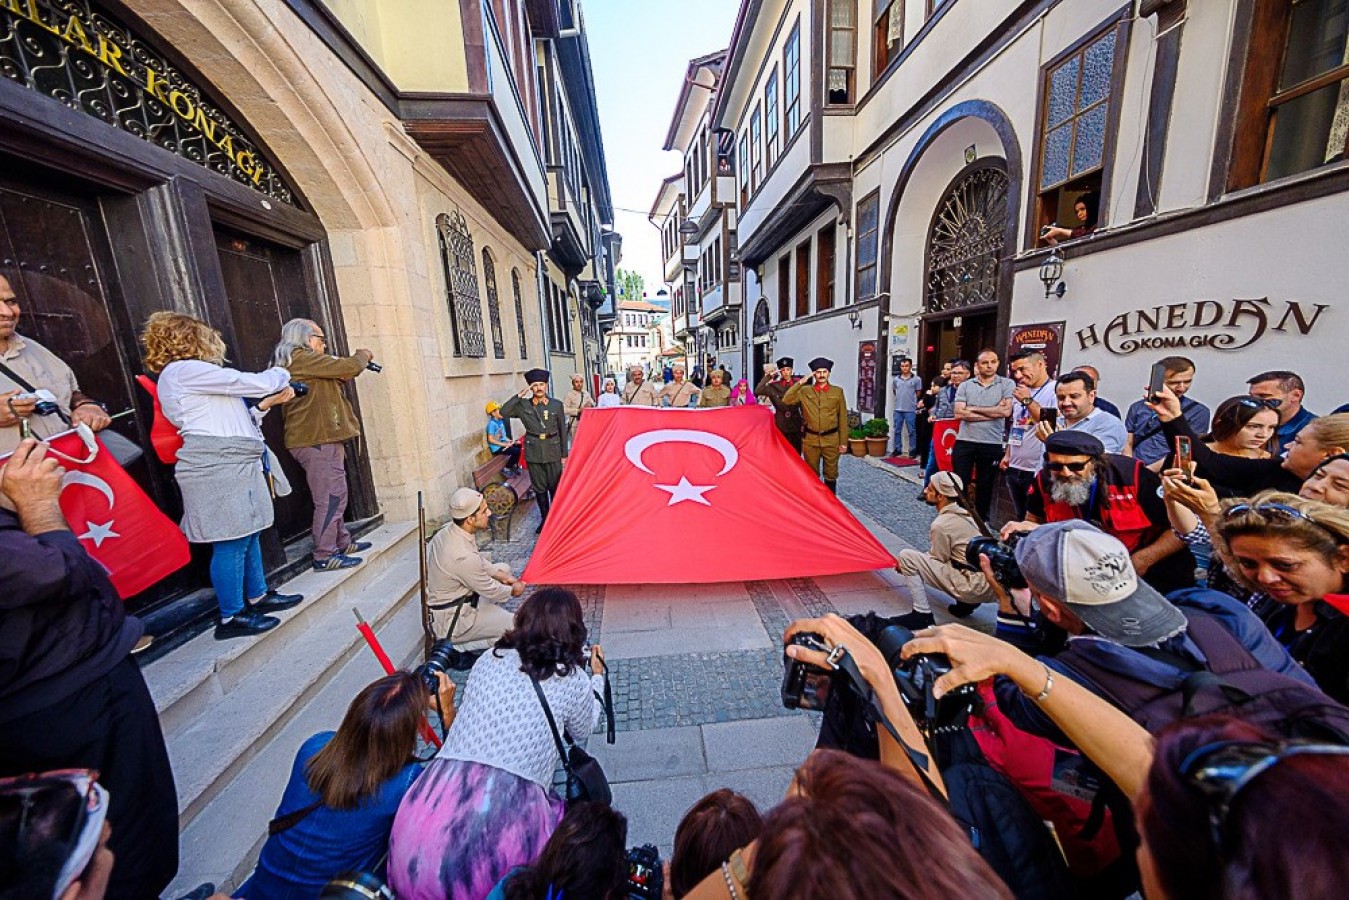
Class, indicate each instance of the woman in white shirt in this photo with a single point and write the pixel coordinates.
(222, 470)
(485, 805)
(610, 395)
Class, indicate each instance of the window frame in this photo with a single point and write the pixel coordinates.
(803, 278)
(830, 63)
(755, 148)
(489, 280)
(873, 238)
(826, 264)
(881, 9)
(770, 105)
(791, 82)
(519, 313)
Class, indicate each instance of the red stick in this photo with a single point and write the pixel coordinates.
(428, 733)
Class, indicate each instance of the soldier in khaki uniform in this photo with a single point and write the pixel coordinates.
(465, 589)
(679, 391)
(545, 425)
(716, 393)
(825, 411)
(638, 391)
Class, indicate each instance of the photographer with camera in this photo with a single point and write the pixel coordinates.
(317, 424)
(224, 471)
(944, 568)
(37, 389)
(465, 589)
(345, 787)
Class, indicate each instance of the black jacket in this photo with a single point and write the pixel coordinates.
(62, 625)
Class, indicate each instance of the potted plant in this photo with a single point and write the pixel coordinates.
(857, 442)
(877, 433)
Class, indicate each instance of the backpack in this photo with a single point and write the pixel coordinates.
(1235, 684)
(164, 435)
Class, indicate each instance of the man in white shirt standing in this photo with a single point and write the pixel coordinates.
(465, 589)
(1076, 393)
(1034, 392)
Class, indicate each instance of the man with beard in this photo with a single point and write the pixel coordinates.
(1076, 394)
(945, 567)
(1033, 394)
(1117, 494)
(774, 386)
(825, 412)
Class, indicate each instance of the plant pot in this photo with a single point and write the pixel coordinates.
(876, 446)
(857, 446)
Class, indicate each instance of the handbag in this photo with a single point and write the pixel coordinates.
(586, 781)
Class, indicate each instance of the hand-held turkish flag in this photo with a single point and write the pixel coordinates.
(113, 518)
(670, 496)
(944, 432)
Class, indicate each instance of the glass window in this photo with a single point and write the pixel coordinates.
(842, 46)
(519, 313)
(1309, 108)
(755, 150)
(489, 278)
(868, 220)
(791, 81)
(770, 118)
(887, 34)
(461, 285)
(744, 168)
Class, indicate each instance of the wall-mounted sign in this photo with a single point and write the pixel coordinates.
(77, 54)
(1219, 324)
(866, 376)
(1044, 337)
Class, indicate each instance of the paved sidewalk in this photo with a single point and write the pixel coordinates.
(696, 669)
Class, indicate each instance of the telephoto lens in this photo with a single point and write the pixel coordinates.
(356, 886)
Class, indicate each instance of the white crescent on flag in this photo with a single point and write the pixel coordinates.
(638, 444)
(91, 481)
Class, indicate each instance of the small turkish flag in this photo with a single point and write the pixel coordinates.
(944, 433)
(114, 519)
(671, 496)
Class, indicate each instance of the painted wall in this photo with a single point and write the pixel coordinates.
(418, 43)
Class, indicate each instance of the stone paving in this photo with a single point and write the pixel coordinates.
(696, 669)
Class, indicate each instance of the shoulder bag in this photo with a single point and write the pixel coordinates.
(586, 781)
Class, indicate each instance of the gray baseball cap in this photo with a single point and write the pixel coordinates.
(1089, 571)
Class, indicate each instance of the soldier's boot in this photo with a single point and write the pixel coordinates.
(833, 486)
(544, 502)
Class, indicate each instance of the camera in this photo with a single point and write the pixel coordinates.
(356, 886)
(300, 388)
(915, 677)
(805, 686)
(46, 403)
(646, 878)
(373, 367)
(1001, 556)
(442, 657)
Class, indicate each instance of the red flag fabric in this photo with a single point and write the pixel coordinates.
(944, 433)
(679, 496)
(113, 518)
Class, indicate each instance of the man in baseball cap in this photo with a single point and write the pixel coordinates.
(499, 440)
(464, 587)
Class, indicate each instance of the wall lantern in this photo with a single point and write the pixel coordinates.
(855, 318)
(688, 228)
(1051, 274)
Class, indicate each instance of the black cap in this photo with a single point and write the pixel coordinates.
(1074, 443)
(820, 362)
(786, 363)
(534, 375)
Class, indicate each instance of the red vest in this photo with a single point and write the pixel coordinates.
(1121, 513)
(164, 436)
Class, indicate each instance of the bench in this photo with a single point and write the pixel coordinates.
(502, 493)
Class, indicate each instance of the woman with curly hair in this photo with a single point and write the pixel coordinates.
(222, 468)
(485, 803)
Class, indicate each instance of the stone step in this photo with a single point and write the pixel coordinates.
(222, 842)
(221, 702)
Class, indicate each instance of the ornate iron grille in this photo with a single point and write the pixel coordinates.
(76, 54)
(461, 285)
(519, 313)
(966, 241)
(489, 277)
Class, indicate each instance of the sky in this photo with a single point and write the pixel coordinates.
(639, 51)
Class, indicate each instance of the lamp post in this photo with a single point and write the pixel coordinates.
(1051, 274)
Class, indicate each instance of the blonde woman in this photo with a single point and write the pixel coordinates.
(222, 469)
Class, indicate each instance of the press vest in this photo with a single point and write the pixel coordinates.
(1121, 513)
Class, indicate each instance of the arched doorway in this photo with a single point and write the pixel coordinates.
(761, 341)
(963, 267)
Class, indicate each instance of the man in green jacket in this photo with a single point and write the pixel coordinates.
(545, 424)
(825, 411)
(316, 426)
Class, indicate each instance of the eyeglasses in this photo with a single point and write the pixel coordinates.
(1077, 467)
(1277, 511)
(1221, 770)
(1260, 402)
(83, 783)
(319, 337)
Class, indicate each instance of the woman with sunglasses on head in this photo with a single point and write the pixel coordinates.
(1295, 553)
(1322, 438)
(1221, 806)
(1243, 426)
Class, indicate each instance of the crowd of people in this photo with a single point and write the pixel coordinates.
(1148, 696)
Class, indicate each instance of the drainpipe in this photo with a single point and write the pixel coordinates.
(541, 289)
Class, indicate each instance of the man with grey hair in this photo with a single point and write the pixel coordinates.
(316, 426)
(460, 577)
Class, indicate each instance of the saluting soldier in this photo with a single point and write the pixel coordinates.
(785, 416)
(545, 437)
(638, 391)
(825, 411)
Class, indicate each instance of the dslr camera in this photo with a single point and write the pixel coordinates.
(1001, 556)
(356, 886)
(646, 877)
(442, 658)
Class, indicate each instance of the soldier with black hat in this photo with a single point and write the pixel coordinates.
(787, 417)
(825, 411)
(545, 436)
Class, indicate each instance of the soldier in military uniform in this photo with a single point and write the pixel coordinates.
(545, 425)
(825, 411)
(638, 391)
(785, 416)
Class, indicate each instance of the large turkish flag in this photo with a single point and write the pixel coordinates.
(115, 521)
(671, 496)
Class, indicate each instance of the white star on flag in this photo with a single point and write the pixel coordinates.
(99, 533)
(686, 491)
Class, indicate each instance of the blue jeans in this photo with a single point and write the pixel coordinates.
(236, 573)
(905, 420)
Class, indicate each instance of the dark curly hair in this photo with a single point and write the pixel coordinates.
(549, 634)
(585, 857)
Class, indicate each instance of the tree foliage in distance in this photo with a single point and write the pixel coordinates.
(631, 286)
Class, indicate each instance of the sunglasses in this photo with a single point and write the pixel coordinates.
(38, 793)
(1260, 402)
(1275, 511)
(1221, 770)
(1077, 467)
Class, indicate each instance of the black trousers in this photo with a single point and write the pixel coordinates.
(1018, 483)
(111, 726)
(544, 478)
(981, 460)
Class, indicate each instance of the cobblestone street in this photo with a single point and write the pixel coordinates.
(696, 669)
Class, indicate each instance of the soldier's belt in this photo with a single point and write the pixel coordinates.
(470, 599)
(822, 433)
(542, 437)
